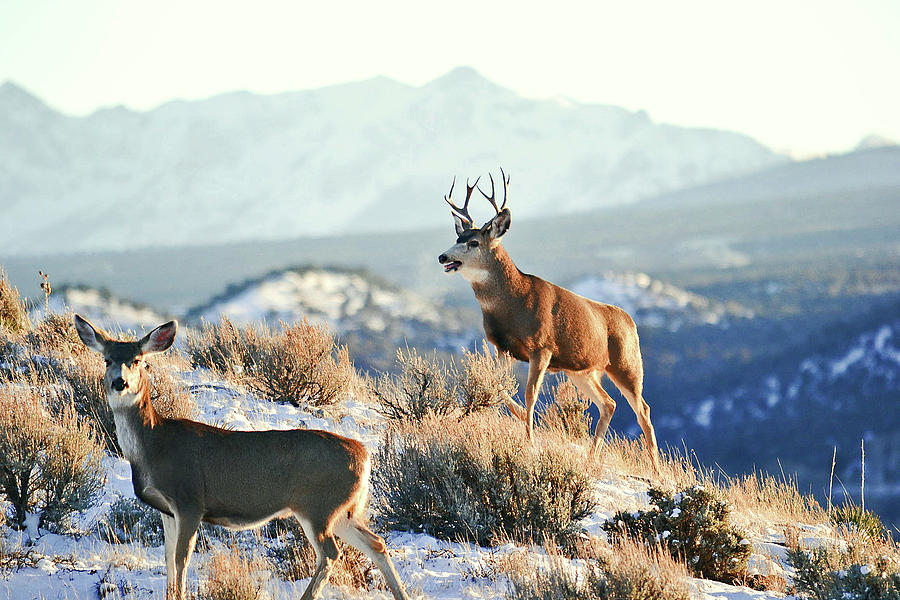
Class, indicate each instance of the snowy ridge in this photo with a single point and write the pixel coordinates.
(355, 157)
(654, 303)
(103, 309)
(347, 302)
(871, 360)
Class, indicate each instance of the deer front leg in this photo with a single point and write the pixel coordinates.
(169, 535)
(185, 537)
(537, 366)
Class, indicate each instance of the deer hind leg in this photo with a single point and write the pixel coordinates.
(360, 537)
(630, 383)
(327, 553)
(589, 385)
(537, 367)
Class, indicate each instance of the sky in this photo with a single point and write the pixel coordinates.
(802, 77)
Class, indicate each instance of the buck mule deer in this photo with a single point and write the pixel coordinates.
(192, 472)
(549, 327)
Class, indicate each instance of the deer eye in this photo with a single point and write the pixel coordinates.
(135, 362)
(472, 244)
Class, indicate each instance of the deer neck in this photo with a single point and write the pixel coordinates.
(500, 280)
(134, 416)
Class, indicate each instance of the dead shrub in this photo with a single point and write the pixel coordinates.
(485, 378)
(566, 414)
(479, 479)
(49, 463)
(13, 313)
(233, 575)
(424, 386)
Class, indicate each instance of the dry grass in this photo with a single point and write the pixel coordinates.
(13, 312)
(757, 500)
(233, 575)
(55, 336)
(171, 400)
(623, 571)
(478, 478)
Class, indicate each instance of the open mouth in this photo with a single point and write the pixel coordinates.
(452, 266)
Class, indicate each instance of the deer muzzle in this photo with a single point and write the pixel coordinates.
(119, 384)
(449, 265)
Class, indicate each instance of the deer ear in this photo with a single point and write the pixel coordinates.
(499, 225)
(160, 338)
(460, 225)
(93, 338)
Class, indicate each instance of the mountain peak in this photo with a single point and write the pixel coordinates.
(874, 140)
(15, 97)
(463, 77)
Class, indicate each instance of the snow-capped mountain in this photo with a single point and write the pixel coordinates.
(365, 156)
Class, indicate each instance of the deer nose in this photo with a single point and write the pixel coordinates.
(119, 384)
(442, 258)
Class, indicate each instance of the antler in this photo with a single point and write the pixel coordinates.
(463, 212)
(505, 179)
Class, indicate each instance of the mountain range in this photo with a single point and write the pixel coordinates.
(375, 155)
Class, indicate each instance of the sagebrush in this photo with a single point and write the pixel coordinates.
(297, 363)
(423, 386)
(566, 414)
(486, 379)
(479, 479)
(854, 566)
(50, 462)
(693, 526)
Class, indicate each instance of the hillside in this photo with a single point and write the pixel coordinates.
(374, 155)
(93, 556)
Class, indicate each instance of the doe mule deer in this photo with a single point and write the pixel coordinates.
(192, 472)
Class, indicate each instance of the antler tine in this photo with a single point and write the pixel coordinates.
(463, 212)
(490, 198)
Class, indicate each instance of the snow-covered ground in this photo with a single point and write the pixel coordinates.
(83, 567)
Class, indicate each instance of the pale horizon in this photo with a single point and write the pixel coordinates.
(802, 78)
